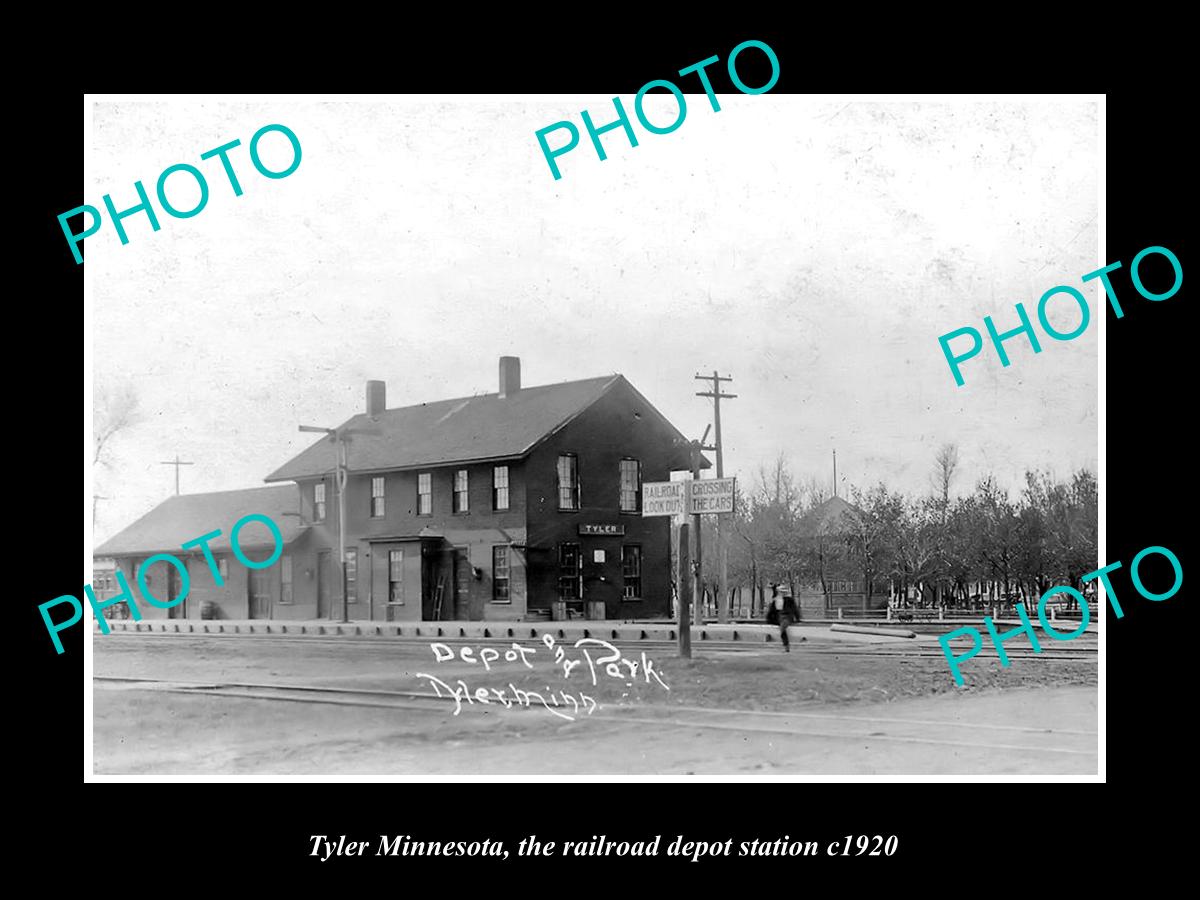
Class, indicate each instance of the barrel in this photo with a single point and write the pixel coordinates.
(208, 610)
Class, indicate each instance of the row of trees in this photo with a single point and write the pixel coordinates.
(982, 548)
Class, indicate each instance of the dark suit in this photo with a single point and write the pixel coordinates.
(790, 614)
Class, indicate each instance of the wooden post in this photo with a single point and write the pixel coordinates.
(698, 538)
(685, 595)
(722, 531)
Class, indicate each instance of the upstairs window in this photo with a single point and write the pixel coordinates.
(568, 481)
(319, 502)
(631, 485)
(461, 499)
(500, 487)
(377, 496)
(424, 494)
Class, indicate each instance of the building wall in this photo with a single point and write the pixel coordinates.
(476, 531)
(619, 425)
(230, 600)
(846, 594)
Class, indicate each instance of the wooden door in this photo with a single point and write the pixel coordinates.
(179, 610)
(323, 585)
(259, 588)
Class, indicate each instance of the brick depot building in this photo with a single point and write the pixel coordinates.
(487, 507)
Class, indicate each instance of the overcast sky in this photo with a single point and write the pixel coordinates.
(814, 250)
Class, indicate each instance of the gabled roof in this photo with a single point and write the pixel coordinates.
(825, 518)
(468, 429)
(185, 517)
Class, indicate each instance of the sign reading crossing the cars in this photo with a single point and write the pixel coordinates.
(673, 498)
(710, 495)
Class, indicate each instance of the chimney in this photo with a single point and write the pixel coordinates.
(376, 398)
(510, 375)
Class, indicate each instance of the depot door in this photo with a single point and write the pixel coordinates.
(323, 586)
(179, 610)
(260, 593)
(463, 576)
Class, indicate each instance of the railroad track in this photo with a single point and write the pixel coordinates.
(798, 724)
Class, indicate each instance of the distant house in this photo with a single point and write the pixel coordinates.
(246, 593)
(491, 507)
(838, 583)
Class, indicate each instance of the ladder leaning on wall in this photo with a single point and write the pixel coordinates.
(438, 592)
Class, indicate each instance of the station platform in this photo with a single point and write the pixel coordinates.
(572, 630)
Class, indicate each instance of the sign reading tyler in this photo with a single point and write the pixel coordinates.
(612, 530)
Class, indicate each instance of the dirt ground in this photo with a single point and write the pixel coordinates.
(825, 708)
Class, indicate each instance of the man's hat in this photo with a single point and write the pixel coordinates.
(785, 590)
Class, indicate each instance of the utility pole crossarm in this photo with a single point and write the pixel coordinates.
(176, 462)
(714, 382)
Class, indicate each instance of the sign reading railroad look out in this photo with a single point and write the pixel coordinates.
(697, 497)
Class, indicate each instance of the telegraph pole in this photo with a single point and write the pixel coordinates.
(697, 582)
(685, 594)
(338, 437)
(722, 547)
(176, 462)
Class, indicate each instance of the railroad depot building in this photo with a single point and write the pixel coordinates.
(520, 504)
(245, 593)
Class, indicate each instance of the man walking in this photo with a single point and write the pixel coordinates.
(783, 612)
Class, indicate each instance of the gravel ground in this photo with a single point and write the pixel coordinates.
(845, 713)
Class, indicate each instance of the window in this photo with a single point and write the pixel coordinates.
(319, 502)
(351, 575)
(424, 494)
(461, 501)
(631, 485)
(285, 579)
(377, 496)
(568, 572)
(223, 566)
(500, 487)
(395, 576)
(500, 592)
(568, 481)
(631, 568)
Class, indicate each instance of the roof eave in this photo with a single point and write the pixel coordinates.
(505, 457)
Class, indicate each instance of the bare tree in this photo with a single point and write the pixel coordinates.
(815, 491)
(944, 467)
(777, 487)
(113, 410)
